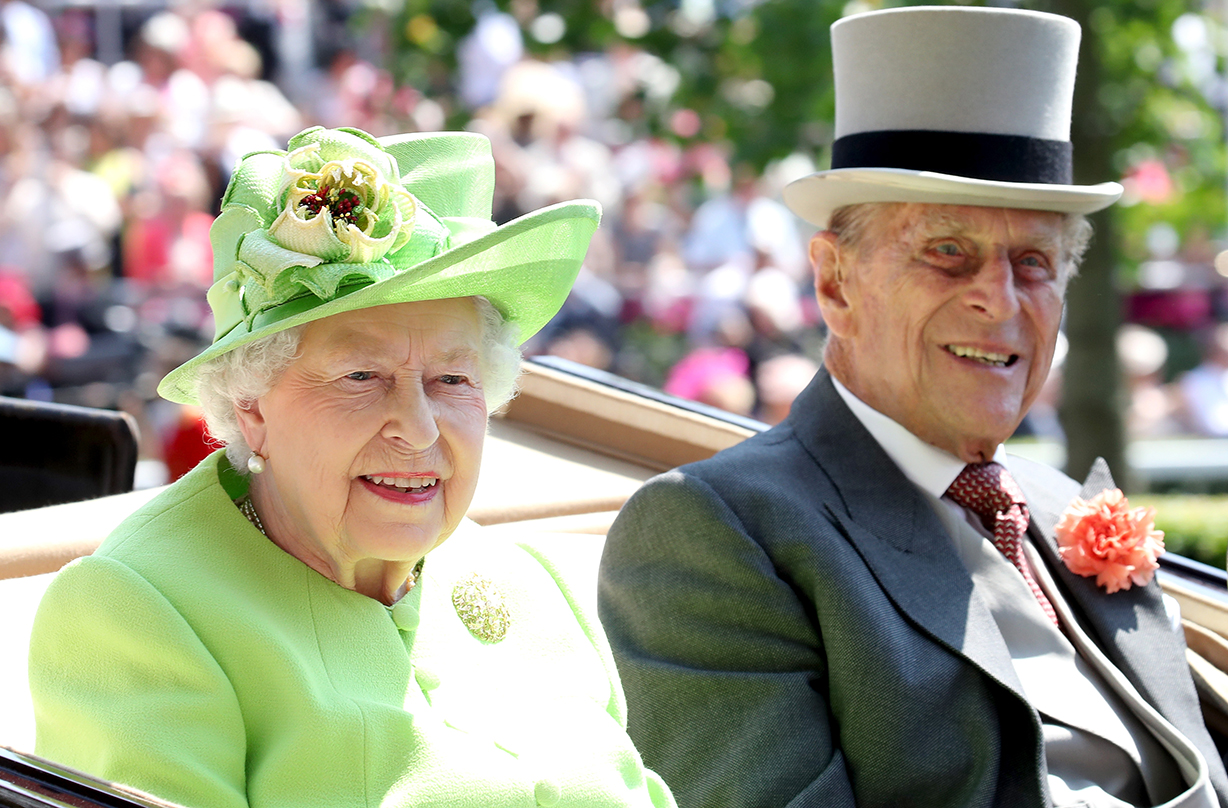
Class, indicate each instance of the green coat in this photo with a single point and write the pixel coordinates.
(192, 658)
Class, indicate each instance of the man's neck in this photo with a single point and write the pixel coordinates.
(930, 468)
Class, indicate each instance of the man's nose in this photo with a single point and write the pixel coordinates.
(411, 418)
(991, 291)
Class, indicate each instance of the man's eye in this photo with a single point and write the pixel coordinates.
(452, 378)
(360, 375)
(948, 249)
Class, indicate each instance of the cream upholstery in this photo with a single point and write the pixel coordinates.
(19, 598)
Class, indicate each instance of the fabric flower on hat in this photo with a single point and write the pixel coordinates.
(331, 210)
(341, 210)
(1107, 538)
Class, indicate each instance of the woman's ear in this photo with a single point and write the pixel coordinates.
(251, 424)
(831, 282)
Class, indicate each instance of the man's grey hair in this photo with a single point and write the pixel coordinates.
(239, 377)
(851, 224)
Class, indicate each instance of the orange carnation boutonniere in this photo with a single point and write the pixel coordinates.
(1107, 538)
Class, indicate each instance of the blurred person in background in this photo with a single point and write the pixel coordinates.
(779, 381)
(167, 240)
(28, 47)
(22, 334)
(1204, 390)
(183, 96)
(718, 377)
(1153, 407)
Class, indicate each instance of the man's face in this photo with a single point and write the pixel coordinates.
(945, 318)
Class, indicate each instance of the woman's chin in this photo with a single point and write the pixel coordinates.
(397, 527)
(396, 544)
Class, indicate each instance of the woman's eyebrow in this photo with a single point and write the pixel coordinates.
(457, 354)
(356, 346)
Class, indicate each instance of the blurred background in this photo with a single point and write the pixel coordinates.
(120, 122)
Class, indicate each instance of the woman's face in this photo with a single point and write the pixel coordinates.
(373, 436)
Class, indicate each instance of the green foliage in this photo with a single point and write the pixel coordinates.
(1194, 526)
(758, 74)
(1155, 105)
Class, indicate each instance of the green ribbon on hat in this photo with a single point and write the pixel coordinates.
(329, 212)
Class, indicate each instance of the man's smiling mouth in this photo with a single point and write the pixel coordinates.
(984, 357)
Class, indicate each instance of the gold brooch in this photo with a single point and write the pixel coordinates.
(479, 603)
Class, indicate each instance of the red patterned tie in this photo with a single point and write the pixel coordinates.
(989, 491)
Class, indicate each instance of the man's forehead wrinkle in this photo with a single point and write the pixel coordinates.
(919, 221)
(940, 220)
(939, 217)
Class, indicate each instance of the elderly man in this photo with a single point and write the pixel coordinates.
(866, 604)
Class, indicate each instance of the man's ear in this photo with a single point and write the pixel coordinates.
(251, 424)
(830, 282)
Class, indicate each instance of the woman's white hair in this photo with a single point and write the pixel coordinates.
(239, 377)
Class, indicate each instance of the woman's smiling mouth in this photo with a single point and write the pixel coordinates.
(402, 483)
(408, 490)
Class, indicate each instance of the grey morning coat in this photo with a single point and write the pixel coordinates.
(793, 626)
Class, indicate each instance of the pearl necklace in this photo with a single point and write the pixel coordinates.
(248, 509)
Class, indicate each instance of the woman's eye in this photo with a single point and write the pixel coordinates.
(360, 375)
(452, 378)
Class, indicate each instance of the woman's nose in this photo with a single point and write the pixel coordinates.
(411, 418)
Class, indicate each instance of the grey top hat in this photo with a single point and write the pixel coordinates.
(952, 105)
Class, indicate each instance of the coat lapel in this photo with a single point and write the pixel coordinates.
(895, 530)
(1130, 626)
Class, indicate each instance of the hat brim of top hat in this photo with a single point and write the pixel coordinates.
(817, 196)
(525, 268)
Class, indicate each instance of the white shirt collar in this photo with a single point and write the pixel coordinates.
(929, 468)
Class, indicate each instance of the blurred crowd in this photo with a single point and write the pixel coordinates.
(111, 170)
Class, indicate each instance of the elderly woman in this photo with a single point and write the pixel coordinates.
(269, 631)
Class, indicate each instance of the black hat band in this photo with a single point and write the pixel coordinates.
(1001, 158)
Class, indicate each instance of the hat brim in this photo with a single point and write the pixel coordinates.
(817, 196)
(525, 268)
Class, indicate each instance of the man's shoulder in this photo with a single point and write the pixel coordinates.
(767, 479)
(772, 459)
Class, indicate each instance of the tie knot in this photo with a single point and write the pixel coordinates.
(987, 489)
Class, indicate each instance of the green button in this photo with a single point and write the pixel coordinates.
(547, 793)
(405, 616)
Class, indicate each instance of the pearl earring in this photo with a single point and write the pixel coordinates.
(255, 463)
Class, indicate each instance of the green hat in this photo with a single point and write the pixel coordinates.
(345, 221)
